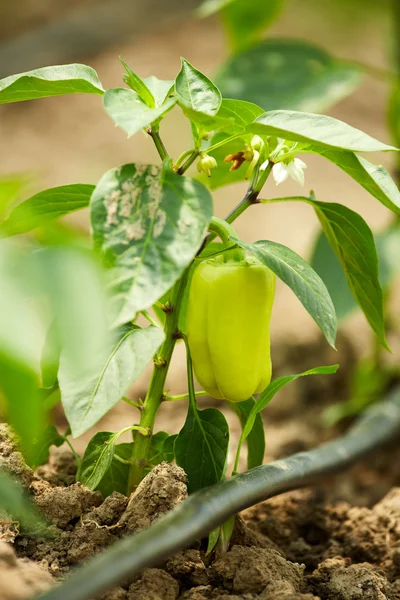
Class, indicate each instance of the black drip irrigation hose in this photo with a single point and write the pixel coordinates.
(194, 518)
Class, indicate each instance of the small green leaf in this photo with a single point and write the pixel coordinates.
(97, 458)
(296, 75)
(129, 112)
(137, 85)
(87, 396)
(201, 447)
(46, 206)
(116, 477)
(256, 438)
(374, 178)
(10, 189)
(160, 89)
(149, 224)
(266, 396)
(244, 22)
(324, 132)
(15, 501)
(49, 437)
(301, 278)
(50, 81)
(196, 92)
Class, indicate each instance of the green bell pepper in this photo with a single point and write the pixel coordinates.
(228, 325)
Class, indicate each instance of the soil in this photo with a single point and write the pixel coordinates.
(340, 541)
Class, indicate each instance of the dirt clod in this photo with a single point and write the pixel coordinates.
(11, 460)
(155, 584)
(20, 577)
(188, 566)
(162, 489)
(255, 570)
(60, 505)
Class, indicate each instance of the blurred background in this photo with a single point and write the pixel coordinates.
(340, 57)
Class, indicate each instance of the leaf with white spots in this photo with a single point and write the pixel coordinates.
(149, 223)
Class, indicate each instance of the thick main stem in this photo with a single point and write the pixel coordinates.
(157, 385)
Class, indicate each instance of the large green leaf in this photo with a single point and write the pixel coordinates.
(201, 447)
(287, 74)
(320, 130)
(149, 224)
(244, 22)
(301, 278)
(325, 262)
(238, 114)
(374, 178)
(129, 112)
(46, 206)
(11, 187)
(195, 92)
(50, 81)
(266, 396)
(160, 89)
(353, 243)
(23, 405)
(89, 395)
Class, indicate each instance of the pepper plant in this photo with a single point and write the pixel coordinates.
(154, 232)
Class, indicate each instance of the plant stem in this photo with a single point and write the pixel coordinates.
(184, 396)
(181, 157)
(149, 318)
(155, 135)
(131, 402)
(74, 452)
(188, 163)
(154, 395)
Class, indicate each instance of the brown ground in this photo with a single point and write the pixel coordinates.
(340, 541)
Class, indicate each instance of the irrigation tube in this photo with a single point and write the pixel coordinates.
(203, 511)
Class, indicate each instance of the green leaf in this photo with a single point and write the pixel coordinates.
(266, 396)
(16, 502)
(325, 262)
(159, 88)
(374, 178)
(156, 450)
(149, 224)
(323, 131)
(89, 395)
(301, 278)
(129, 112)
(137, 85)
(195, 91)
(238, 115)
(201, 447)
(354, 245)
(50, 81)
(244, 22)
(24, 406)
(10, 189)
(46, 206)
(49, 437)
(117, 475)
(168, 448)
(256, 438)
(97, 458)
(296, 75)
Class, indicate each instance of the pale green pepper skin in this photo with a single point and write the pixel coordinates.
(228, 326)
